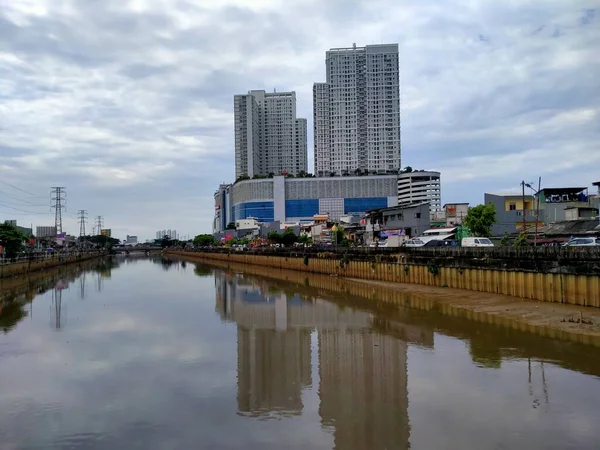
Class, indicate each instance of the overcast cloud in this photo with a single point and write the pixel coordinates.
(129, 103)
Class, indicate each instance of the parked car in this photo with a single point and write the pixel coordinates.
(441, 243)
(476, 242)
(378, 244)
(411, 243)
(583, 242)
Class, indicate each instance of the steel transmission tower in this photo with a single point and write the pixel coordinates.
(99, 220)
(82, 215)
(58, 196)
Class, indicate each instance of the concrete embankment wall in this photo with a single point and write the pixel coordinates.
(21, 268)
(572, 288)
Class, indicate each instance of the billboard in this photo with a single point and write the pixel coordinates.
(105, 232)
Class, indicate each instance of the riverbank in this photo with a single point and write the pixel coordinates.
(559, 321)
(29, 266)
(546, 275)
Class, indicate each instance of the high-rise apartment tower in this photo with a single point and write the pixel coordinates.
(357, 112)
(268, 136)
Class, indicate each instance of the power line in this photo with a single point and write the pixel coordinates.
(82, 216)
(18, 188)
(58, 197)
(22, 210)
(14, 197)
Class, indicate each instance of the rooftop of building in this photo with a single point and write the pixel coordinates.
(398, 208)
(562, 190)
(509, 195)
(596, 183)
(572, 228)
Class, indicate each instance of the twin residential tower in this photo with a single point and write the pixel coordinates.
(356, 115)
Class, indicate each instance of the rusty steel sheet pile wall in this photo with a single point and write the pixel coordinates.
(551, 276)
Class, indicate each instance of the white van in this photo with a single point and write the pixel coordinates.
(476, 242)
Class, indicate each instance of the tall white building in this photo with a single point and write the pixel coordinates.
(357, 112)
(268, 136)
(420, 186)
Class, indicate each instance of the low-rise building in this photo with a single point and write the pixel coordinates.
(510, 210)
(555, 201)
(398, 223)
(45, 232)
(580, 212)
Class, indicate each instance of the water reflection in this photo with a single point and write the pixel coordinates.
(288, 361)
(17, 294)
(362, 372)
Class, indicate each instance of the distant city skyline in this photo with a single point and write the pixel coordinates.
(131, 108)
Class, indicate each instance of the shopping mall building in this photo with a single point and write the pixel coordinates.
(299, 199)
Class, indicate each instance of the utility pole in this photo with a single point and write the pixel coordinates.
(537, 210)
(523, 200)
(82, 215)
(58, 196)
(99, 220)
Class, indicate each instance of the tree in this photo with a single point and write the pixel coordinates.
(204, 240)
(274, 236)
(289, 237)
(505, 241)
(521, 241)
(480, 219)
(11, 239)
(407, 169)
(305, 239)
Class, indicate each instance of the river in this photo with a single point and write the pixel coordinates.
(149, 353)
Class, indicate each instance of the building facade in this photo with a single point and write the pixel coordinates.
(555, 201)
(420, 186)
(510, 209)
(299, 199)
(356, 112)
(45, 232)
(268, 136)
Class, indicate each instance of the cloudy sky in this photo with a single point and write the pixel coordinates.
(129, 103)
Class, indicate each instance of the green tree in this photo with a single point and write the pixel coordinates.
(407, 169)
(289, 237)
(203, 240)
(305, 239)
(521, 241)
(480, 219)
(505, 241)
(274, 236)
(11, 239)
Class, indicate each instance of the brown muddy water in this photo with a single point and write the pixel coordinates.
(159, 354)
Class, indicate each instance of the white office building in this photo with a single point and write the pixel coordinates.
(268, 136)
(420, 186)
(356, 112)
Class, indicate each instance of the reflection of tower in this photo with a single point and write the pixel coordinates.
(274, 360)
(273, 367)
(56, 305)
(363, 389)
(82, 285)
(99, 282)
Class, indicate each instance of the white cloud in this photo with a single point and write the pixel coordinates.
(134, 101)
